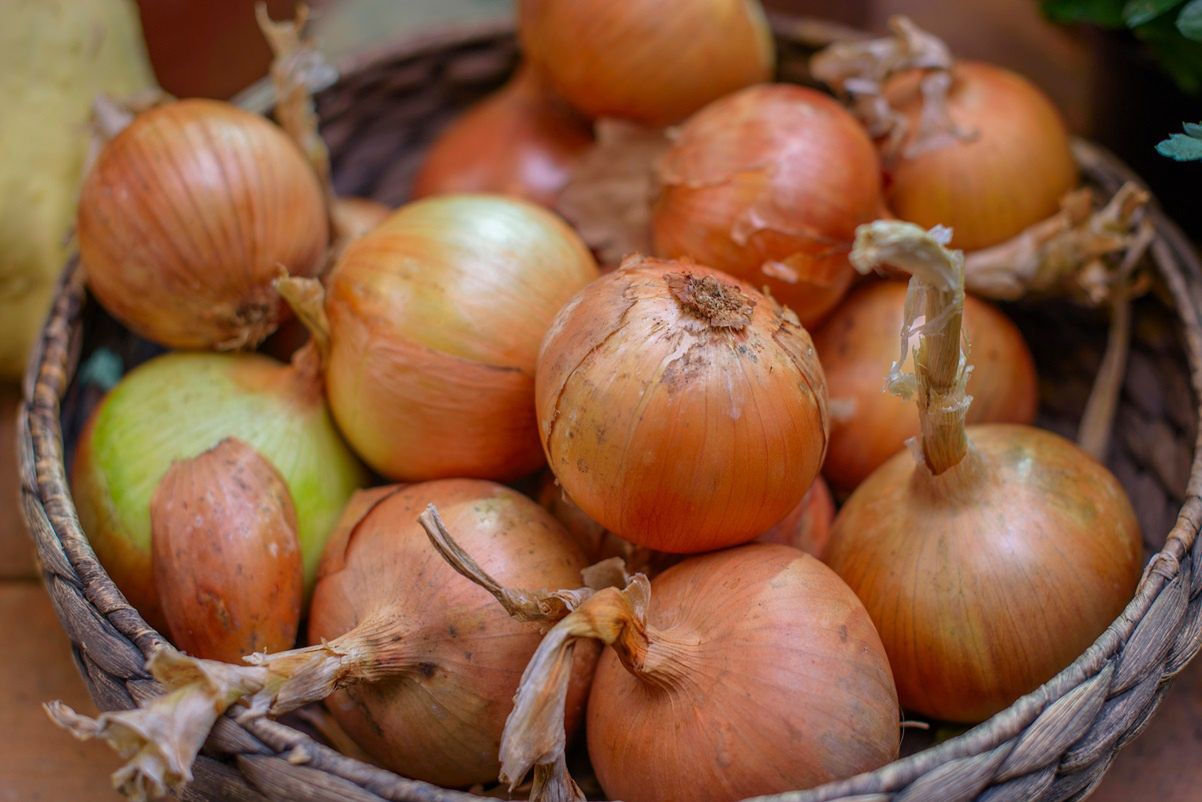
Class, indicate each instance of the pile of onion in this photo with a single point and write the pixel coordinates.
(1006, 170)
(749, 671)
(519, 141)
(178, 405)
(430, 329)
(769, 185)
(187, 216)
(632, 60)
(857, 345)
(679, 408)
(419, 663)
(996, 557)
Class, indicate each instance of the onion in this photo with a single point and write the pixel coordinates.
(178, 405)
(857, 345)
(226, 559)
(769, 185)
(422, 663)
(808, 526)
(1008, 175)
(189, 214)
(431, 326)
(632, 60)
(680, 409)
(745, 672)
(1003, 553)
(354, 217)
(518, 142)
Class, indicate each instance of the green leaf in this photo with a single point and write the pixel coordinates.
(1189, 21)
(1185, 147)
(1179, 57)
(1141, 12)
(1106, 13)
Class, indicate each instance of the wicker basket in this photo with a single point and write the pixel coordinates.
(1053, 744)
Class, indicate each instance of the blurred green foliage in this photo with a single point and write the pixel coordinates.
(1170, 29)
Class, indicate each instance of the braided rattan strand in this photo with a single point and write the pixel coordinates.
(1053, 744)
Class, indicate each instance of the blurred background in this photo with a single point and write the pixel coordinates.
(1124, 81)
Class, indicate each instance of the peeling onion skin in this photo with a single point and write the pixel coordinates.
(857, 345)
(435, 322)
(189, 214)
(676, 433)
(440, 720)
(992, 188)
(783, 681)
(629, 60)
(517, 142)
(226, 559)
(769, 185)
(987, 580)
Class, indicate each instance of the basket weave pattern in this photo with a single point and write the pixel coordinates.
(1054, 744)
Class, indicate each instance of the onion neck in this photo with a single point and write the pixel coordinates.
(534, 732)
(307, 299)
(940, 364)
(717, 304)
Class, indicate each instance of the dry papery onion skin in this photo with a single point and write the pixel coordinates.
(520, 141)
(225, 555)
(769, 184)
(631, 60)
(994, 559)
(435, 319)
(464, 660)
(1009, 171)
(680, 409)
(749, 671)
(178, 405)
(857, 345)
(188, 215)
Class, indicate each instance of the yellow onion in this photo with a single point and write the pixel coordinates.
(858, 343)
(769, 185)
(519, 141)
(226, 558)
(175, 407)
(189, 214)
(414, 659)
(435, 319)
(995, 558)
(679, 408)
(1009, 173)
(642, 61)
(749, 671)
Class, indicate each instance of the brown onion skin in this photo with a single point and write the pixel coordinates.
(225, 554)
(441, 719)
(189, 214)
(649, 414)
(630, 60)
(769, 185)
(987, 580)
(519, 141)
(859, 342)
(808, 526)
(1010, 176)
(784, 683)
(435, 322)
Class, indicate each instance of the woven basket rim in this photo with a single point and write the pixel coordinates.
(1011, 740)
